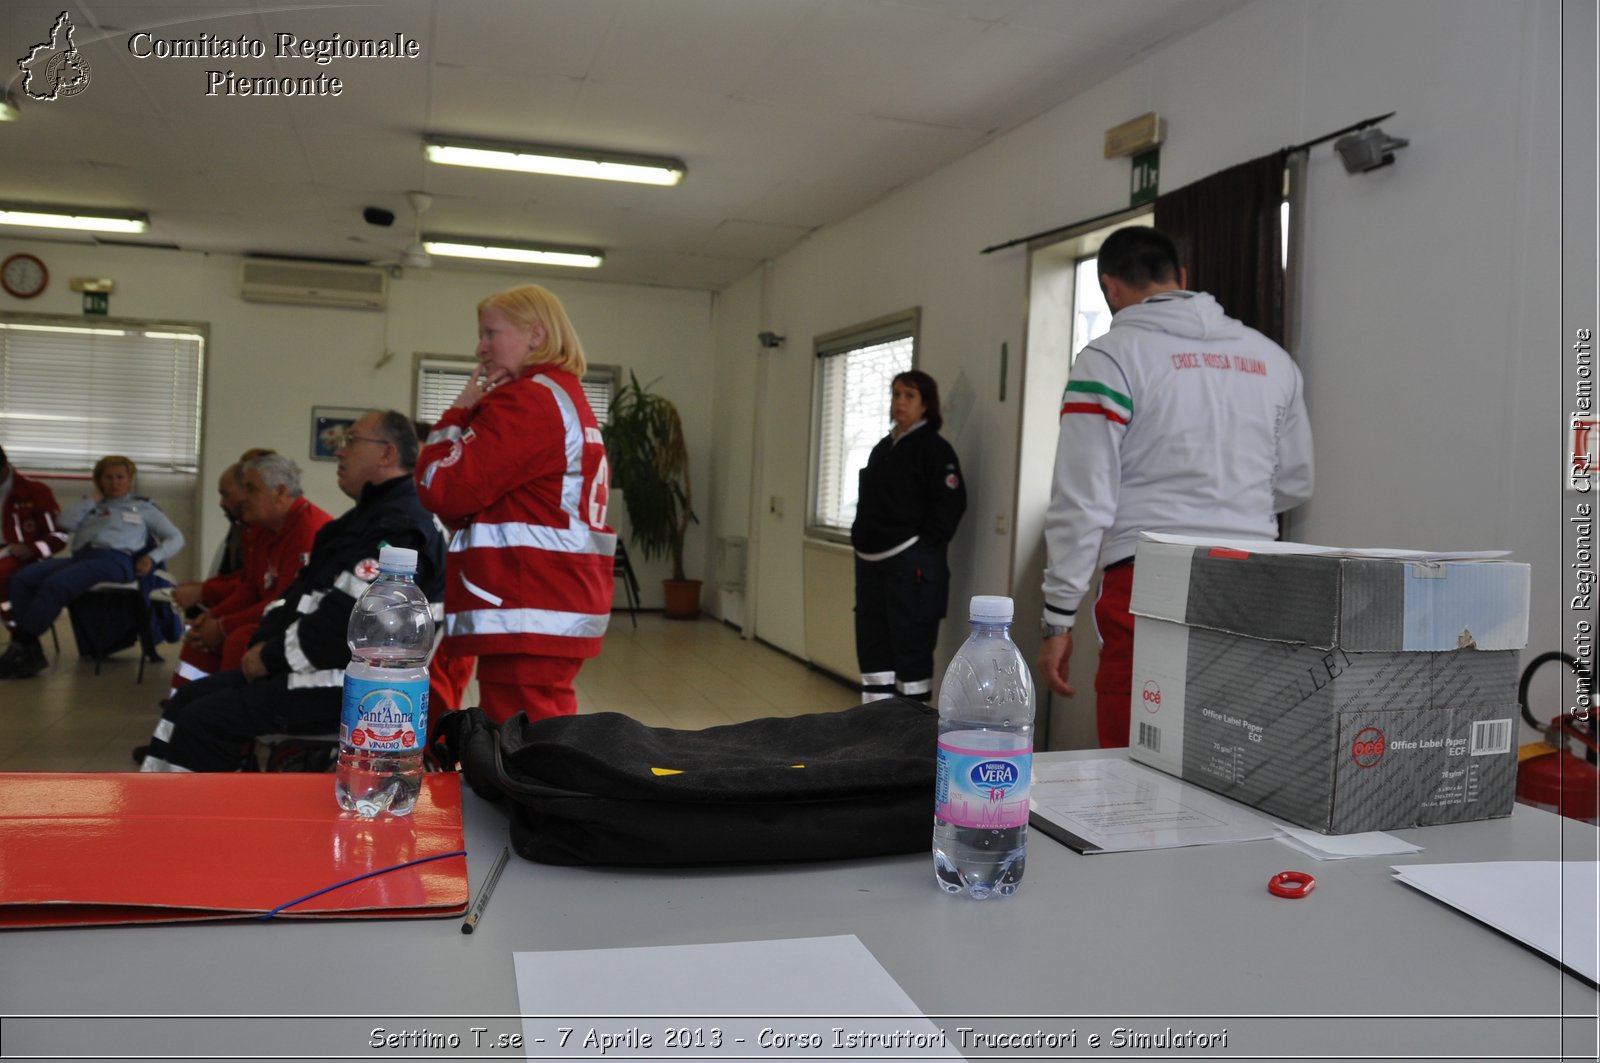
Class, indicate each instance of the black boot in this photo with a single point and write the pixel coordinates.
(10, 659)
(30, 660)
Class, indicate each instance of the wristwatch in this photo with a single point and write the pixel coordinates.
(1048, 630)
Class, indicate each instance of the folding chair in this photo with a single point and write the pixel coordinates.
(293, 752)
(622, 568)
(101, 618)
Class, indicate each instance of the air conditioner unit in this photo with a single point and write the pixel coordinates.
(313, 284)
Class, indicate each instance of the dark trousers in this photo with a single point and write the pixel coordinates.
(899, 603)
(208, 724)
(41, 590)
(9, 565)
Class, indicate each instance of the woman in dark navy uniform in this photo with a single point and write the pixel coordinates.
(911, 498)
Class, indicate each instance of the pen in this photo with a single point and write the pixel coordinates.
(483, 894)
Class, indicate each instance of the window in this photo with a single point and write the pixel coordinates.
(71, 392)
(854, 370)
(440, 378)
(1091, 317)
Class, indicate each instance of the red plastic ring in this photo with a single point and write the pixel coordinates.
(1291, 884)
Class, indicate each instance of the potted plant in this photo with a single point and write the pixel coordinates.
(650, 466)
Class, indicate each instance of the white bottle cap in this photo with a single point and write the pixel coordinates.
(991, 608)
(397, 559)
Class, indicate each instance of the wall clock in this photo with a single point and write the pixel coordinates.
(24, 275)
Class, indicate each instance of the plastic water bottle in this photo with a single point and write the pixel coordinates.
(980, 816)
(385, 719)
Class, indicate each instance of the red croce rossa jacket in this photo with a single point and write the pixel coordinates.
(30, 516)
(521, 478)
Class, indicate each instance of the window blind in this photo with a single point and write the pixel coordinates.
(70, 394)
(440, 378)
(853, 389)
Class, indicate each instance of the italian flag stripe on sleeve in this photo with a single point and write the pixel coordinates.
(1087, 396)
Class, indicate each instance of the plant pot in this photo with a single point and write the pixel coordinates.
(682, 599)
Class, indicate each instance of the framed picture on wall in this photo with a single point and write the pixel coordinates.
(328, 426)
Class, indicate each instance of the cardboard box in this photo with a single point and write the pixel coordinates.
(1341, 692)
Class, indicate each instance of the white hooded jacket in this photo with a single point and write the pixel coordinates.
(1180, 419)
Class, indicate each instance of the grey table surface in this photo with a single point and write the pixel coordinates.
(1181, 940)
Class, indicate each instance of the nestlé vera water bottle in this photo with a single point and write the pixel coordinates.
(986, 704)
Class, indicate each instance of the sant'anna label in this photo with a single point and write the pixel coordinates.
(384, 716)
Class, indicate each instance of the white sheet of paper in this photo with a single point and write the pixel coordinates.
(684, 997)
(1548, 905)
(1344, 846)
(1265, 546)
(1117, 806)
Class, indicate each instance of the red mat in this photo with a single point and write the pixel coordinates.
(105, 848)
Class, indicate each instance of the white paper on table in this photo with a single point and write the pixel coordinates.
(1344, 846)
(1267, 546)
(1547, 905)
(794, 987)
(1116, 806)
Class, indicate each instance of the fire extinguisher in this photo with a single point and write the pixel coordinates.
(1548, 775)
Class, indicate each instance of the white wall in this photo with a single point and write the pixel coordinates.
(267, 365)
(1430, 340)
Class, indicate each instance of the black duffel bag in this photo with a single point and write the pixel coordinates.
(603, 788)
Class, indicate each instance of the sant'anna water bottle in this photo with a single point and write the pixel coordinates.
(384, 723)
(986, 705)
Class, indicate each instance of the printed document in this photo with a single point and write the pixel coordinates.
(1110, 805)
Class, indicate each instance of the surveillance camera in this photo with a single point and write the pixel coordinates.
(378, 216)
(1368, 150)
(770, 339)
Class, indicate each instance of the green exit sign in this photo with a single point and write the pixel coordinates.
(96, 302)
(1146, 175)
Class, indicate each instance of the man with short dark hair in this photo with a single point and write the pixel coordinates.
(230, 499)
(190, 597)
(292, 676)
(28, 531)
(1180, 420)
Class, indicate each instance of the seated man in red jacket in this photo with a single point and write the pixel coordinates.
(280, 527)
(28, 532)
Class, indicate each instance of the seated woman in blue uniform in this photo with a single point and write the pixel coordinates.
(911, 498)
(109, 534)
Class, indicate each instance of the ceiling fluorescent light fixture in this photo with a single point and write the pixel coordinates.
(39, 216)
(67, 328)
(562, 162)
(527, 254)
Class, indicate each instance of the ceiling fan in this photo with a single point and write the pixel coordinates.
(416, 255)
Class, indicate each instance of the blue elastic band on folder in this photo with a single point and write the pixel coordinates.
(358, 878)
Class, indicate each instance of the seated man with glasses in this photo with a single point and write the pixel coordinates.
(291, 678)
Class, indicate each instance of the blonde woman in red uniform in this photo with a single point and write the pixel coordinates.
(517, 469)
